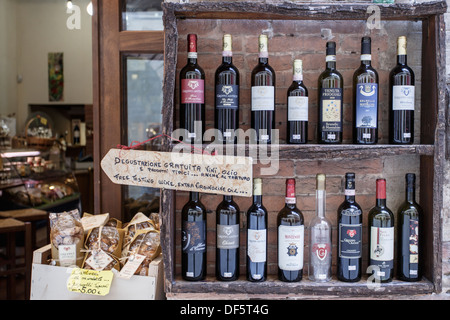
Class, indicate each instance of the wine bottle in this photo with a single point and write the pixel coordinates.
(331, 97)
(291, 231)
(349, 234)
(401, 98)
(227, 94)
(192, 95)
(297, 107)
(365, 98)
(257, 236)
(409, 221)
(381, 237)
(193, 239)
(320, 237)
(263, 95)
(227, 246)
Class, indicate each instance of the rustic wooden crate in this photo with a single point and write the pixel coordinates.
(50, 282)
(430, 152)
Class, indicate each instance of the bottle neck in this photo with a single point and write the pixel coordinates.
(366, 62)
(263, 60)
(401, 59)
(331, 65)
(228, 198)
(257, 199)
(320, 203)
(381, 202)
(410, 192)
(227, 59)
(194, 196)
(290, 200)
(381, 193)
(350, 195)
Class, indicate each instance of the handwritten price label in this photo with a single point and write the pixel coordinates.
(90, 281)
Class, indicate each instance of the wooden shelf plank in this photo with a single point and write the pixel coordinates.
(315, 11)
(274, 286)
(317, 151)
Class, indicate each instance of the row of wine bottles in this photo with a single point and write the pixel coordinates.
(290, 239)
(330, 97)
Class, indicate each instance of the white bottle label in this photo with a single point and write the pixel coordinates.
(381, 244)
(403, 97)
(256, 245)
(297, 108)
(263, 98)
(290, 247)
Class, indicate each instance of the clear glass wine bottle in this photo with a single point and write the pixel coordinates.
(320, 238)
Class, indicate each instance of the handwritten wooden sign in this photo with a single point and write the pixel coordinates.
(231, 175)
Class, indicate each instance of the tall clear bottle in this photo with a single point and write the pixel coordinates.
(263, 95)
(291, 237)
(349, 234)
(227, 241)
(193, 239)
(381, 237)
(365, 98)
(409, 225)
(401, 98)
(331, 97)
(320, 237)
(257, 236)
(226, 112)
(192, 95)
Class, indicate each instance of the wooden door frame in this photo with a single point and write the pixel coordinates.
(109, 43)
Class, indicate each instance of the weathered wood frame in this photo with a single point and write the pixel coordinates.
(431, 149)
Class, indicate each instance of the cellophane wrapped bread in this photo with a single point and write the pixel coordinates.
(142, 237)
(67, 237)
(103, 240)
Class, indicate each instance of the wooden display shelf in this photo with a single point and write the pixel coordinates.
(431, 151)
(319, 151)
(304, 287)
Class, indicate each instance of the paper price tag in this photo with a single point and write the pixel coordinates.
(90, 281)
(128, 270)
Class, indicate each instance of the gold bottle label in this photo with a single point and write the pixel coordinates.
(257, 187)
(227, 46)
(401, 45)
(263, 46)
(298, 69)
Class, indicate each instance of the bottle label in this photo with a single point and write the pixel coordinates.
(331, 107)
(366, 105)
(263, 98)
(290, 247)
(321, 250)
(228, 236)
(227, 96)
(413, 237)
(382, 247)
(192, 91)
(256, 245)
(297, 108)
(403, 97)
(194, 236)
(330, 58)
(350, 239)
